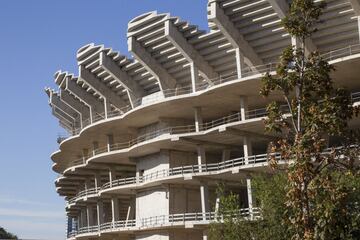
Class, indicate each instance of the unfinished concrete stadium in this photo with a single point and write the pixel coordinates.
(150, 137)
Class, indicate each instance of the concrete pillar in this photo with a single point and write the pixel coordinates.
(201, 157)
(247, 149)
(112, 175)
(205, 234)
(194, 76)
(358, 18)
(79, 223)
(137, 175)
(243, 107)
(247, 153)
(87, 183)
(225, 155)
(115, 209)
(97, 180)
(250, 198)
(295, 42)
(107, 107)
(83, 217)
(85, 155)
(95, 147)
(90, 215)
(204, 196)
(100, 212)
(239, 62)
(110, 141)
(198, 119)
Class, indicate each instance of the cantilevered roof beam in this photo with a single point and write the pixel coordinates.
(281, 8)
(69, 83)
(70, 100)
(134, 90)
(102, 89)
(190, 53)
(95, 106)
(244, 52)
(165, 80)
(67, 112)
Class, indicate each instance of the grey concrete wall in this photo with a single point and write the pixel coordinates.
(153, 162)
(152, 202)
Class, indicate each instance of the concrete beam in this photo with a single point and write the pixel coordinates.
(281, 8)
(100, 87)
(222, 21)
(96, 107)
(55, 101)
(165, 80)
(75, 104)
(134, 90)
(188, 51)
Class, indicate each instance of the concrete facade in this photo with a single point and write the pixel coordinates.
(151, 137)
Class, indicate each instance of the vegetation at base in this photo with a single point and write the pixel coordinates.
(271, 197)
(6, 235)
(315, 195)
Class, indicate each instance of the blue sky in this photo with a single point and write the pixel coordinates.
(37, 38)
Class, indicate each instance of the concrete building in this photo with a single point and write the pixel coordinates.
(152, 135)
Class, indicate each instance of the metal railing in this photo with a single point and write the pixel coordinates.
(232, 118)
(169, 220)
(84, 193)
(191, 169)
(246, 72)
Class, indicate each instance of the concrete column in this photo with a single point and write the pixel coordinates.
(225, 155)
(205, 234)
(201, 157)
(85, 154)
(358, 18)
(115, 209)
(247, 149)
(100, 212)
(83, 217)
(107, 107)
(204, 196)
(295, 42)
(90, 215)
(95, 147)
(243, 107)
(87, 183)
(97, 180)
(198, 119)
(137, 175)
(250, 198)
(239, 62)
(110, 141)
(248, 152)
(112, 175)
(79, 223)
(194, 76)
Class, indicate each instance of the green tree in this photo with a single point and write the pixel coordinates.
(316, 194)
(315, 112)
(235, 226)
(6, 235)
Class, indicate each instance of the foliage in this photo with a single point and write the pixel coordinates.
(6, 235)
(317, 194)
(315, 111)
(271, 195)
